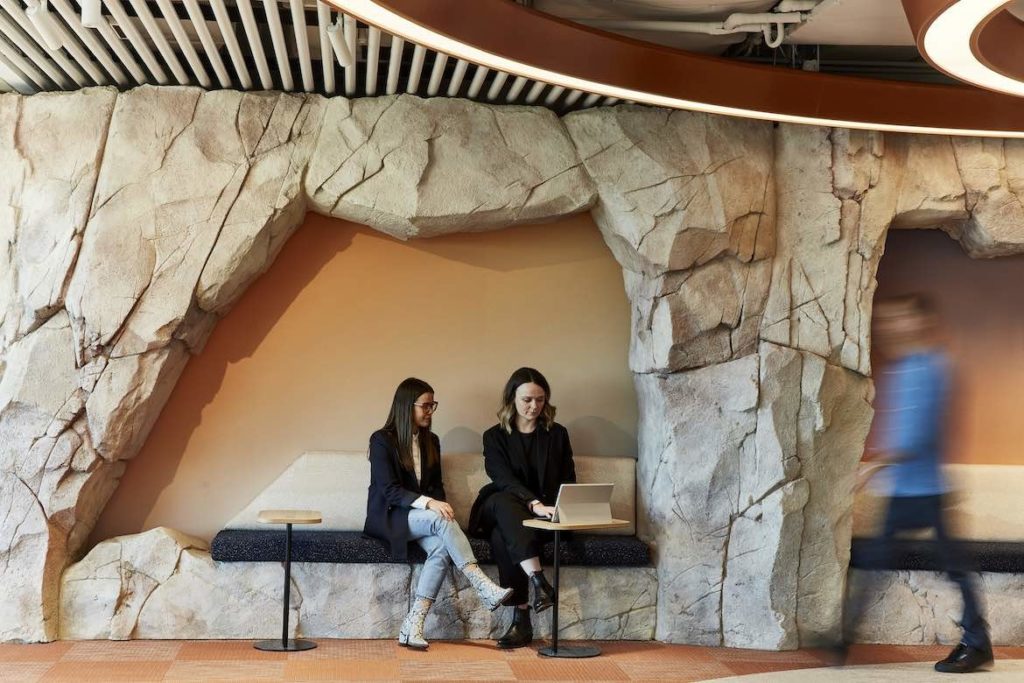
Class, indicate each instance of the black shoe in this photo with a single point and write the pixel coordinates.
(520, 633)
(543, 593)
(964, 659)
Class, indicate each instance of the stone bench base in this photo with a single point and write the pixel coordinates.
(162, 584)
(921, 607)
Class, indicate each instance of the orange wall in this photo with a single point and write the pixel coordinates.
(310, 357)
(983, 323)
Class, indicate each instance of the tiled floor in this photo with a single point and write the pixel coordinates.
(341, 660)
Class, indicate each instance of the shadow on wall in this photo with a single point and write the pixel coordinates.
(309, 357)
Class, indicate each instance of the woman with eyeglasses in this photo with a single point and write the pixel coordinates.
(527, 456)
(406, 503)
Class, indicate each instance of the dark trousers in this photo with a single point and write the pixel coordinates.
(926, 512)
(502, 515)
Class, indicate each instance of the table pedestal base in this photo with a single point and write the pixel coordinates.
(570, 651)
(291, 645)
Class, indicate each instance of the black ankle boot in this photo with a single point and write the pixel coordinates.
(543, 593)
(520, 633)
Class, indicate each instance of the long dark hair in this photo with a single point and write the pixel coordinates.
(507, 412)
(399, 423)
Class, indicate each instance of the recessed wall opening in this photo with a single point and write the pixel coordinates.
(310, 356)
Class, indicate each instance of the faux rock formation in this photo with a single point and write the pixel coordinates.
(129, 222)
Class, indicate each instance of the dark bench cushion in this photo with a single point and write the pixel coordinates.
(924, 555)
(259, 545)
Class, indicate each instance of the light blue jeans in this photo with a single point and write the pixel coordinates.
(444, 543)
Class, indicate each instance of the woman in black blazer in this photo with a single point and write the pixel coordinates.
(527, 456)
(406, 502)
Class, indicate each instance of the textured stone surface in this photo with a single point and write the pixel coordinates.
(749, 253)
(163, 584)
(922, 608)
(417, 168)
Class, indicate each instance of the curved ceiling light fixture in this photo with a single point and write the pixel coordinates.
(970, 39)
(507, 37)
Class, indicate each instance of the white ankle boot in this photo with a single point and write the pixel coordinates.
(491, 594)
(411, 633)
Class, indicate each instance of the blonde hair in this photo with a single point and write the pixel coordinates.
(507, 412)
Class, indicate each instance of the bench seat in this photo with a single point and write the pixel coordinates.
(267, 545)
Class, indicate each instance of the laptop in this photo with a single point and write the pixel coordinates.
(584, 504)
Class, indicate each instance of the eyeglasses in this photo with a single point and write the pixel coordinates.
(427, 407)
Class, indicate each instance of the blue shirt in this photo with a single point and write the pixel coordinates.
(912, 402)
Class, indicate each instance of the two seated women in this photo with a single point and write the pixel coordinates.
(527, 456)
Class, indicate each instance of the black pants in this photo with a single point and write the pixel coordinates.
(926, 512)
(502, 515)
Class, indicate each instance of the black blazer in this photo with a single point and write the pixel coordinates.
(508, 468)
(393, 489)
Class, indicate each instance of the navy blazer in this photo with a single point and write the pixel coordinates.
(509, 468)
(393, 489)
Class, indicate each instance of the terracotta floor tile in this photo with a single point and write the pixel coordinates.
(223, 650)
(121, 651)
(730, 654)
(568, 669)
(674, 671)
(347, 649)
(82, 671)
(432, 670)
(743, 668)
(454, 650)
(34, 652)
(341, 670)
(23, 671)
(626, 650)
(226, 671)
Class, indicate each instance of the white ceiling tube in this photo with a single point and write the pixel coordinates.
(302, 44)
(252, 33)
(571, 98)
(457, 75)
(479, 76)
(394, 64)
(227, 31)
(535, 92)
(68, 42)
(37, 57)
(517, 87)
(35, 79)
(284, 68)
(10, 75)
(499, 80)
(46, 25)
(351, 34)
(336, 35)
(419, 55)
(137, 41)
(94, 46)
(162, 46)
(591, 100)
(92, 13)
(434, 84)
(553, 95)
(372, 59)
(17, 11)
(117, 45)
(323, 20)
(170, 15)
(209, 46)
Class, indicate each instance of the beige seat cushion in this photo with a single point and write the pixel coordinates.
(335, 483)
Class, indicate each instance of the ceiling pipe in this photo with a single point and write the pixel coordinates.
(372, 59)
(478, 81)
(456, 80)
(137, 41)
(12, 76)
(434, 84)
(323, 20)
(17, 11)
(74, 49)
(341, 51)
(22, 65)
(351, 35)
(302, 44)
(160, 40)
(416, 70)
(394, 64)
(227, 31)
(35, 55)
(496, 85)
(184, 42)
(252, 34)
(39, 15)
(280, 48)
(117, 44)
(92, 13)
(71, 17)
(517, 87)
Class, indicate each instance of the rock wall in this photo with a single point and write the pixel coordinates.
(131, 222)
